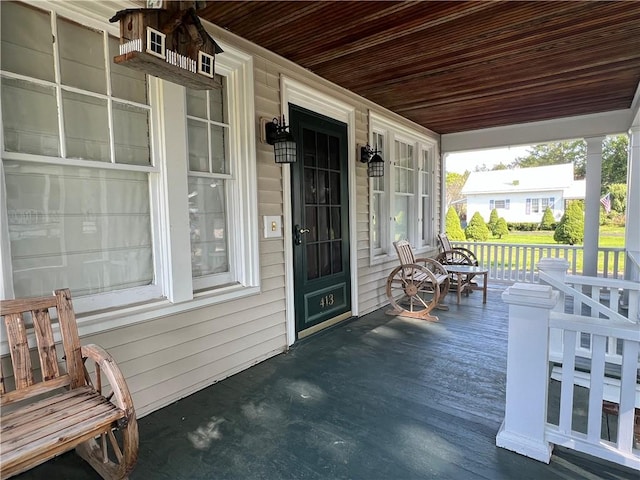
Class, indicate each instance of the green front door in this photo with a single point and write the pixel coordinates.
(320, 230)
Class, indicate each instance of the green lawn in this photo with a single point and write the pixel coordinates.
(609, 237)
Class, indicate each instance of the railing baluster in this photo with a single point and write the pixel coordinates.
(596, 389)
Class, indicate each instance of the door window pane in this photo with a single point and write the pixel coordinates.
(81, 67)
(30, 118)
(84, 228)
(336, 257)
(27, 51)
(310, 189)
(312, 261)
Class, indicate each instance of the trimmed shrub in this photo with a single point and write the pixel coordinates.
(500, 228)
(452, 225)
(523, 226)
(493, 219)
(548, 222)
(477, 230)
(571, 227)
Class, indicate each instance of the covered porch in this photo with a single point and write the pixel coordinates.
(377, 397)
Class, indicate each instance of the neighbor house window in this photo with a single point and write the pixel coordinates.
(502, 204)
(401, 202)
(535, 205)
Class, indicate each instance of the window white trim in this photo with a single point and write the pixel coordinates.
(295, 92)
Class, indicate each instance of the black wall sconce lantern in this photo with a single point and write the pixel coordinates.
(375, 163)
(284, 146)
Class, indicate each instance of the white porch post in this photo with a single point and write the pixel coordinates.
(592, 206)
(523, 428)
(632, 230)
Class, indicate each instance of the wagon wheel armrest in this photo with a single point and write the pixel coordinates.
(456, 257)
(109, 368)
(468, 253)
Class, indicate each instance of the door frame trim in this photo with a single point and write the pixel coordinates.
(298, 93)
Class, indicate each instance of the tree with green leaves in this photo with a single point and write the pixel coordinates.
(571, 227)
(493, 219)
(452, 225)
(556, 153)
(618, 193)
(548, 222)
(614, 160)
(501, 228)
(477, 229)
(455, 181)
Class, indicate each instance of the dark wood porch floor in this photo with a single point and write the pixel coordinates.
(379, 397)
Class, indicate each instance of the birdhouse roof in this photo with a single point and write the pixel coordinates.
(190, 14)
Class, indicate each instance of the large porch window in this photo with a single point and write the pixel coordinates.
(401, 201)
(85, 194)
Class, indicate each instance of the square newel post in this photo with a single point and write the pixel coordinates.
(556, 268)
(522, 430)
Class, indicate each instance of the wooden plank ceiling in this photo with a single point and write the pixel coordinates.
(457, 66)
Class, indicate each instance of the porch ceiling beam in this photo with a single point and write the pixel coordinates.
(531, 133)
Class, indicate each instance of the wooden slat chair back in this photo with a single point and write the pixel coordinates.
(51, 405)
(18, 330)
(450, 255)
(417, 285)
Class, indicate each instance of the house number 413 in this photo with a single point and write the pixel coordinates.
(327, 301)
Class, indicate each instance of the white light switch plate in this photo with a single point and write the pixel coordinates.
(272, 226)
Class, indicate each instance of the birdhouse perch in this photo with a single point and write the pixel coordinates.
(169, 43)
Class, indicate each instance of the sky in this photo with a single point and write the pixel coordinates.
(459, 162)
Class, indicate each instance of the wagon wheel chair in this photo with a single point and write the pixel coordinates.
(114, 453)
(417, 285)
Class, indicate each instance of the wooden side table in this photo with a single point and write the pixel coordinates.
(464, 274)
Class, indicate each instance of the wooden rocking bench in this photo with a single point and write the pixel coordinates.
(54, 410)
(417, 285)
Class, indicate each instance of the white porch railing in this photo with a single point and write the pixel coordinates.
(513, 262)
(601, 355)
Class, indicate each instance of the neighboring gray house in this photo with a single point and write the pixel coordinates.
(522, 195)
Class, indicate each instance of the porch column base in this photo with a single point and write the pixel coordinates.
(540, 451)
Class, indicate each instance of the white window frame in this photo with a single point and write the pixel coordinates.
(201, 56)
(150, 33)
(392, 132)
(169, 206)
